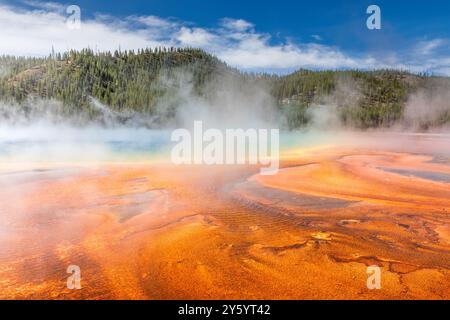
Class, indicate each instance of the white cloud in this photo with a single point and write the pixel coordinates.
(49, 6)
(194, 37)
(236, 24)
(34, 32)
(154, 22)
(256, 53)
(427, 47)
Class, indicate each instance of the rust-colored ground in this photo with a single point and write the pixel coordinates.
(160, 232)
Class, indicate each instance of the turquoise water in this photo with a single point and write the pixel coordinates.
(75, 144)
(60, 143)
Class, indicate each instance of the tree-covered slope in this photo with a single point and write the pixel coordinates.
(120, 80)
(130, 82)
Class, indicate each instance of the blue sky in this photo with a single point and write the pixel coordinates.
(274, 36)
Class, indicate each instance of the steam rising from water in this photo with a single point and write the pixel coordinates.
(428, 108)
(42, 132)
(226, 101)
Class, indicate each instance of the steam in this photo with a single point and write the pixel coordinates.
(3, 71)
(43, 130)
(428, 108)
(226, 101)
(50, 142)
(325, 113)
(31, 111)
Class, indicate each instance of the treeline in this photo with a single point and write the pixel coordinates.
(130, 82)
(122, 80)
(362, 98)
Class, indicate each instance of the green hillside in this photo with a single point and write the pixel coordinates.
(130, 83)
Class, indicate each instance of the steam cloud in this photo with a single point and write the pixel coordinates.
(428, 109)
(41, 130)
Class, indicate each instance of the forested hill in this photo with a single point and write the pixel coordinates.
(123, 81)
(127, 83)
